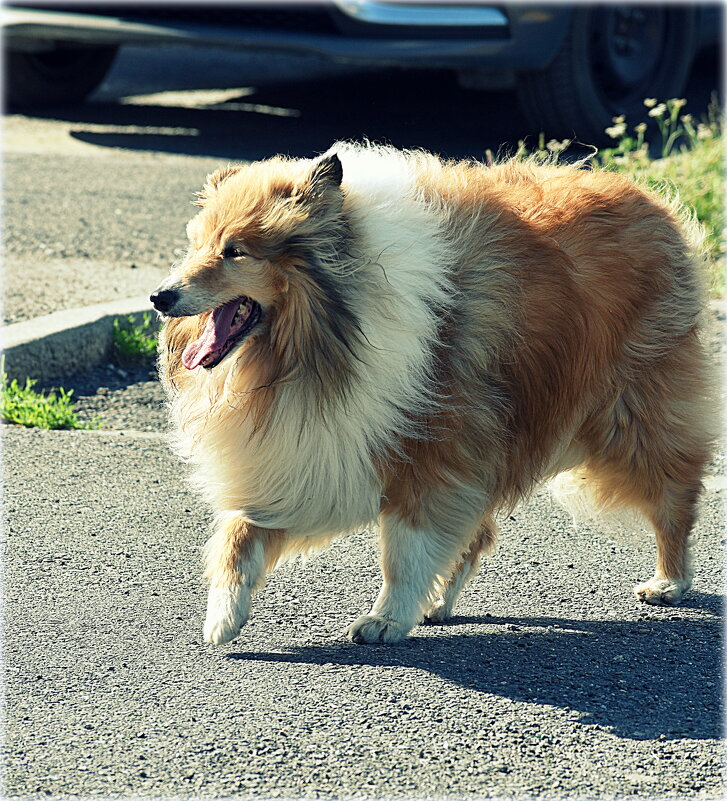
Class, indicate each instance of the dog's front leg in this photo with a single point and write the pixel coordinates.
(237, 558)
(411, 560)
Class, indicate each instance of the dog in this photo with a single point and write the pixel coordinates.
(378, 336)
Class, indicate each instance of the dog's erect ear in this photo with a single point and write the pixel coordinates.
(212, 183)
(321, 189)
(327, 173)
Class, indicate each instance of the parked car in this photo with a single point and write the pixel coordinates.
(574, 67)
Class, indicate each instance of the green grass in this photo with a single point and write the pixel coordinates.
(690, 167)
(134, 343)
(698, 177)
(24, 406)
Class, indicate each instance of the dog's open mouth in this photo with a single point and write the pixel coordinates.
(226, 326)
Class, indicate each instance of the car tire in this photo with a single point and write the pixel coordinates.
(613, 57)
(64, 75)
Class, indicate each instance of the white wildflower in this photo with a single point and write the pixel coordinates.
(554, 146)
(616, 131)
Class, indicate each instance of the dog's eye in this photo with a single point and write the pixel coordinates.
(233, 252)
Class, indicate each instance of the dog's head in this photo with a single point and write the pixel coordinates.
(261, 250)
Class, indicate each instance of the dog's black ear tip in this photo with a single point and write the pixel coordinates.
(328, 169)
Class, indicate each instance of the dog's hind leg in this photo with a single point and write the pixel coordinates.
(482, 545)
(237, 558)
(649, 453)
(669, 504)
(672, 518)
(666, 493)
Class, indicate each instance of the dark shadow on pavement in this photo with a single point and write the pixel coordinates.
(427, 109)
(644, 680)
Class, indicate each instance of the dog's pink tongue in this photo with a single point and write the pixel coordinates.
(213, 337)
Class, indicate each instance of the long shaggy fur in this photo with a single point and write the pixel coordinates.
(437, 339)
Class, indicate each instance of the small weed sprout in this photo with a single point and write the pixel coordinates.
(134, 342)
(545, 153)
(675, 128)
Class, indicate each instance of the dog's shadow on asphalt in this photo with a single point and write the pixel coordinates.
(645, 680)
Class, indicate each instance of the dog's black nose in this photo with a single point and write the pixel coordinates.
(164, 300)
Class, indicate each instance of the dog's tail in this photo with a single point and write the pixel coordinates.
(577, 491)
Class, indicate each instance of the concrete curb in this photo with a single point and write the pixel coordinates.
(65, 342)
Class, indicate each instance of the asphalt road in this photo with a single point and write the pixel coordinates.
(552, 681)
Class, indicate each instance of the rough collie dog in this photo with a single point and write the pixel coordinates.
(383, 336)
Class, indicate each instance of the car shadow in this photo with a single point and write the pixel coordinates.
(643, 680)
(423, 109)
(302, 115)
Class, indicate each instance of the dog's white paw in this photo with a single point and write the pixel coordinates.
(440, 612)
(375, 629)
(227, 611)
(661, 592)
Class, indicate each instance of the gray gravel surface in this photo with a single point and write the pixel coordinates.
(114, 236)
(552, 681)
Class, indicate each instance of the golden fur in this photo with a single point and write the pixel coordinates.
(554, 327)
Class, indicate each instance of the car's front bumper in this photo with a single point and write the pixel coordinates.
(516, 37)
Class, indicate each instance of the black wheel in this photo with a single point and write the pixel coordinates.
(61, 76)
(611, 60)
